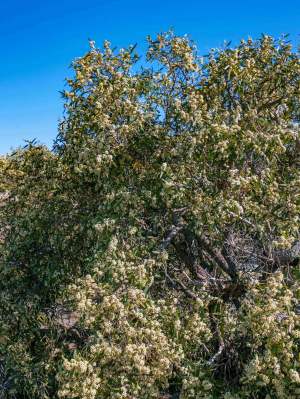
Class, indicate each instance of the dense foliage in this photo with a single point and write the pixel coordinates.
(153, 253)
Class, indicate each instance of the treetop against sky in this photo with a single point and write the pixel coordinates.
(40, 39)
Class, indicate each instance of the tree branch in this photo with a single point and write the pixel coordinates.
(175, 229)
(182, 286)
(217, 257)
(286, 256)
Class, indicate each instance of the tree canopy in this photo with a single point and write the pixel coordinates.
(154, 251)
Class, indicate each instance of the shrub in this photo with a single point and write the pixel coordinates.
(153, 252)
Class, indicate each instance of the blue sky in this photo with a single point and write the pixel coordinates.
(39, 39)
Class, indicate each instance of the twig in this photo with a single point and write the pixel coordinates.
(217, 257)
(183, 287)
(174, 231)
(215, 357)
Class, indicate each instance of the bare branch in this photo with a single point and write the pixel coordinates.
(217, 257)
(286, 256)
(172, 234)
(181, 285)
(217, 355)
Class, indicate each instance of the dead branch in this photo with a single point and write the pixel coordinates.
(217, 257)
(175, 282)
(175, 229)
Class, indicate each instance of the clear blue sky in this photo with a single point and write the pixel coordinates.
(39, 39)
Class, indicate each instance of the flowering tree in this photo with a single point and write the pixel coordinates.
(154, 252)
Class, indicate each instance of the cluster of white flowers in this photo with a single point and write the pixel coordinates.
(195, 384)
(274, 325)
(196, 329)
(78, 379)
(104, 158)
(127, 340)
